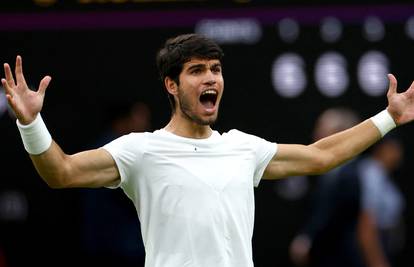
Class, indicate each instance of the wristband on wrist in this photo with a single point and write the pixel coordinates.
(35, 136)
(384, 122)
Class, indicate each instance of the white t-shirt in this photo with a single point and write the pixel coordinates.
(194, 197)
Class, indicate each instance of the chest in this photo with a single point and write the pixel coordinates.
(198, 168)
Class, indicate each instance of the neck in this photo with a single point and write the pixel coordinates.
(182, 126)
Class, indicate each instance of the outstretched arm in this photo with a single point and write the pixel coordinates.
(93, 168)
(334, 150)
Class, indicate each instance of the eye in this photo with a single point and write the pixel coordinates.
(216, 69)
(196, 71)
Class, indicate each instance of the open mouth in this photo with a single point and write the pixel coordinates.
(208, 98)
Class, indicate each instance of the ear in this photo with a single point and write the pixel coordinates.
(171, 86)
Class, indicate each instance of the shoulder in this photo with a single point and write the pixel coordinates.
(250, 141)
(234, 133)
(244, 137)
(133, 137)
(237, 137)
(128, 141)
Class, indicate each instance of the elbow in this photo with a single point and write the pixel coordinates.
(55, 185)
(58, 179)
(55, 182)
(322, 164)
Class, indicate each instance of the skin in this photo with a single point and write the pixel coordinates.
(389, 154)
(96, 168)
(191, 119)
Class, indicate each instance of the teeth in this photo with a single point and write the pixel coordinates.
(210, 92)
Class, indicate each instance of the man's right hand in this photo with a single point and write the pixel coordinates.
(25, 103)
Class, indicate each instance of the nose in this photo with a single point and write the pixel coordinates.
(210, 82)
(210, 78)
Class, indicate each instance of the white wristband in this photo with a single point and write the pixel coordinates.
(384, 122)
(36, 138)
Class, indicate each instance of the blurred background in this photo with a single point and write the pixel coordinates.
(285, 62)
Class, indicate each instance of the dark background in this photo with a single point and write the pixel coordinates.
(101, 61)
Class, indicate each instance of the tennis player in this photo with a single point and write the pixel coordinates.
(192, 186)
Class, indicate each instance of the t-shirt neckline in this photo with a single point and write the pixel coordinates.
(213, 136)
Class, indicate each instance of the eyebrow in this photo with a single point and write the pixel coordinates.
(202, 65)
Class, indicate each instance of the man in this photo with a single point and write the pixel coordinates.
(335, 233)
(382, 203)
(192, 187)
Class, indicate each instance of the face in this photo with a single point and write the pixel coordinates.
(200, 90)
(391, 153)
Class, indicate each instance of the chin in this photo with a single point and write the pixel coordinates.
(206, 121)
(200, 118)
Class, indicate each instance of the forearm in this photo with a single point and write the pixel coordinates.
(345, 145)
(92, 168)
(330, 151)
(51, 165)
(46, 155)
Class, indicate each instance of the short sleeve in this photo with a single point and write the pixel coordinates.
(264, 152)
(127, 151)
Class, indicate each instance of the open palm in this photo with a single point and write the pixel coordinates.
(25, 103)
(400, 105)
